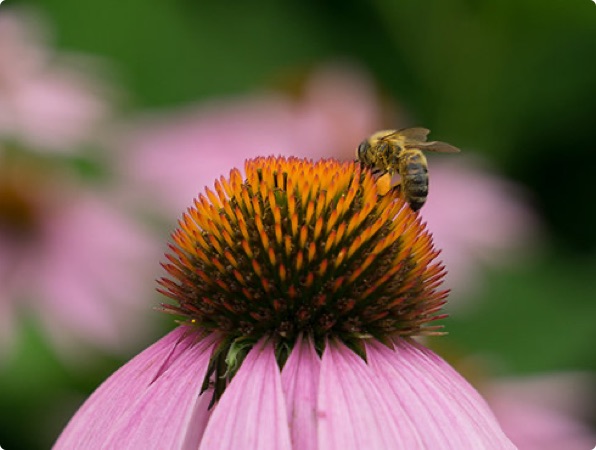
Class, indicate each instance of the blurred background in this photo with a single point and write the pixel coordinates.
(114, 115)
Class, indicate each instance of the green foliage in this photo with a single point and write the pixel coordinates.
(533, 319)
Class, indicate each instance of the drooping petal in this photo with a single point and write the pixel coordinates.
(300, 381)
(352, 412)
(251, 413)
(159, 378)
(445, 409)
(171, 413)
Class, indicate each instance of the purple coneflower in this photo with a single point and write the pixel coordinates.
(71, 259)
(300, 289)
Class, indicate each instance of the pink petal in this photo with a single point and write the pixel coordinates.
(447, 411)
(148, 402)
(352, 411)
(300, 381)
(251, 413)
(171, 413)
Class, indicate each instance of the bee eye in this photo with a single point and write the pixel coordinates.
(363, 148)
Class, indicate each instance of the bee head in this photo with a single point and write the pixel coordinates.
(363, 150)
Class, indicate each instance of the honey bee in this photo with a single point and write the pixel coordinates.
(400, 151)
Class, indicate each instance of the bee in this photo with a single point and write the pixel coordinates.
(400, 151)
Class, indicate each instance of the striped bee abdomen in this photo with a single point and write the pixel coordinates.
(414, 178)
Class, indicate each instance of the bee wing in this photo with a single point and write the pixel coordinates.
(415, 134)
(438, 146)
(404, 135)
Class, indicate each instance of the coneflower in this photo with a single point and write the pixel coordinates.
(299, 289)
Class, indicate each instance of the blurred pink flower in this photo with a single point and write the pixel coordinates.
(478, 218)
(47, 100)
(544, 412)
(173, 155)
(406, 397)
(71, 259)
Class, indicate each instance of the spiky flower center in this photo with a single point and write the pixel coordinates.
(302, 248)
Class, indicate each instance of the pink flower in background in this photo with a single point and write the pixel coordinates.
(545, 412)
(174, 154)
(72, 260)
(478, 220)
(298, 289)
(47, 101)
